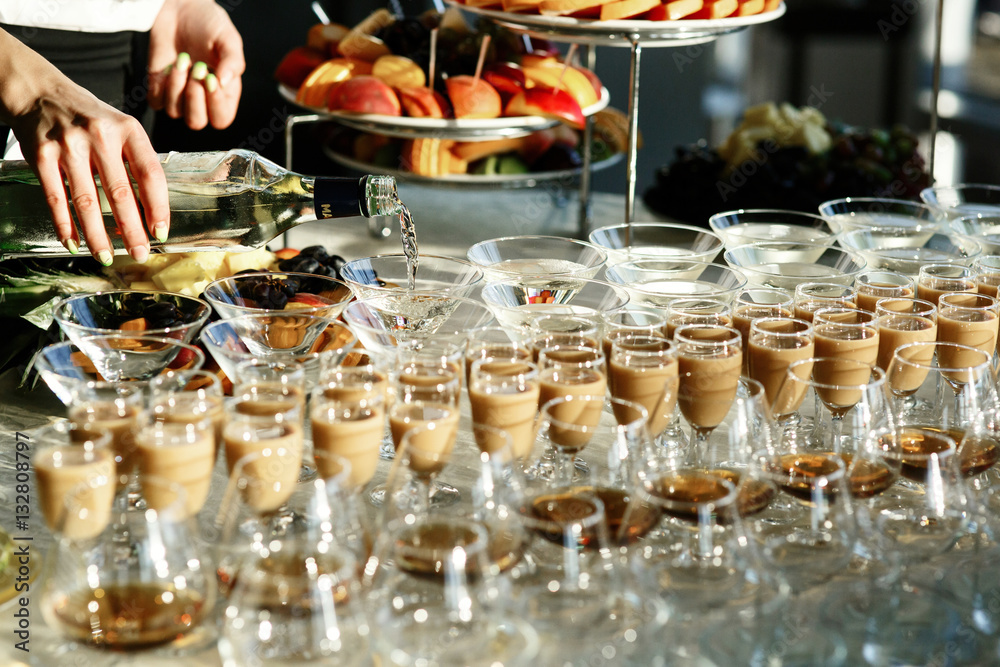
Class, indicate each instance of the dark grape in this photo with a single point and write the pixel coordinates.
(289, 264)
(162, 314)
(316, 252)
(337, 262)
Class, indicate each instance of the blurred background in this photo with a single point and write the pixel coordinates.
(862, 62)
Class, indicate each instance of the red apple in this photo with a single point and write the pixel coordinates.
(307, 301)
(297, 64)
(365, 94)
(423, 102)
(535, 144)
(547, 102)
(594, 81)
(183, 358)
(473, 98)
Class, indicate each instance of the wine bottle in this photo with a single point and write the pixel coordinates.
(235, 200)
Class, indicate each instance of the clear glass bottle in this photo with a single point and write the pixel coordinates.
(235, 200)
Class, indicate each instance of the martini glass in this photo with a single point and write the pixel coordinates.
(416, 315)
(300, 293)
(902, 250)
(853, 213)
(657, 240)
(310, 340)
(964, 199)
(986, 230)
(517, 255)
(656, 283)
(67, 366)
(518, 301)
(750, 225)
(159, 314)
(388, 276)
(783, 265)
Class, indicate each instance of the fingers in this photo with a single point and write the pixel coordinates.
(76, 166)
(195, 103)
(223, 101)
(51, 179)
(118, 191)
(152, 183)
(176, 81)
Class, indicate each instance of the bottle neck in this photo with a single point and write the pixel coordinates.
(345, 197)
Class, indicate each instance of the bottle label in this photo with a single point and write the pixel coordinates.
(337, 198)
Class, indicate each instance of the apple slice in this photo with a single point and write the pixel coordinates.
(315, 90)
(470, 151)
(566, 78)
(626, 9)
(771, 5)
(473, 98)
(535, 145)
(521, 6)
(400, 71)
(750, 7)
(539, 59)
(423, 102)
(577, 8)
(674, 10)
(365, 94)
(715, 9)
(507, 78)
(297, 65)
(547, 102)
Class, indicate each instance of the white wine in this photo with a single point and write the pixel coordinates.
(235, 200)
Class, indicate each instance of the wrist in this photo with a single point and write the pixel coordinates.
(25, 77)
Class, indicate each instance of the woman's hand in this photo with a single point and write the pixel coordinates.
(67, 135)
(195, 63)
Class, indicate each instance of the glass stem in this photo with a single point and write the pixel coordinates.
(699, 444)
(564, 468)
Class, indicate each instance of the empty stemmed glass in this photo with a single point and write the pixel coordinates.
(571, 585)
(435, 596)
(955, 394)
(709, 359)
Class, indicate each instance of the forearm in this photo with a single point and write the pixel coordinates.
(26, 80)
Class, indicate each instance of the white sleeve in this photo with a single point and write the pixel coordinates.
(82, 15)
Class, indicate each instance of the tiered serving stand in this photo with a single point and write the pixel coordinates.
(634, 34)
(404, 127)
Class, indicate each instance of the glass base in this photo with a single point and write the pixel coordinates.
(544, 469)
(442, 495)
(387, 450)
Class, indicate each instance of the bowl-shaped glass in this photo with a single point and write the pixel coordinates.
(381, 274)
(659, 282)
(310, 340)
(784, 265)
(163, 314)
(519, 255)
(892, 249)
(264, 291)
(517, 302)
(752, 225)
(984, 229)
(977, 199)
(641, 240)
(66, 366)
(854, 213)
(415, 315)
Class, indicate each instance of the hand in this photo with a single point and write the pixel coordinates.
(67, 133)
(189, 35)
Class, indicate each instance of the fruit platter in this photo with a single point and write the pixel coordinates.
(507, 162)
(792, 158)
(621, 22)
(482, 83)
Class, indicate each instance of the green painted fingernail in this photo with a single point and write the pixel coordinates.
(183, 60)
(211, 83)
(72, 246)
(105, 257)
(199, 71)
(160, 232)
(166, 70)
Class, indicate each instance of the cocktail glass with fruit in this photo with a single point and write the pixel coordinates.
(290, 293)
(284, 337)
(129, 312)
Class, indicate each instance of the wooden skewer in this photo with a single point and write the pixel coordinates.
(433, 64)
(482, 59)
(569, 59)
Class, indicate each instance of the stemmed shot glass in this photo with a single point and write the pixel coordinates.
(704, 310)
(810, 297)
(504, 394)
(494, 343)
(709, 362)
(902, 321)
(776, 343)
(643, 369)
(937, 279)
(987, 271)
(871, 286)
(350, 428)
(119, 411)
(969, 319)
(846, 333)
